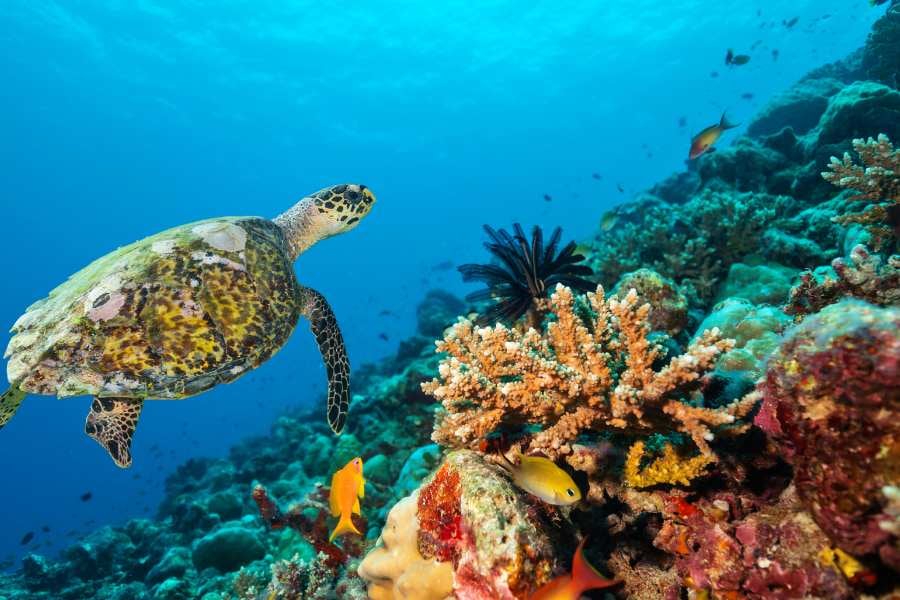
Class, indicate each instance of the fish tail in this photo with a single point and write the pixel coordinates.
(724, 123)
(345, 525)
(584, 576)
(9, 404)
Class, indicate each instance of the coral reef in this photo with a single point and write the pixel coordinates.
(577, 377)
(864, 276)
(832, 401)
(646, 398)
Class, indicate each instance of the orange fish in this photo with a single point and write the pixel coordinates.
(347, 487)
(703, 141)
(570, 587)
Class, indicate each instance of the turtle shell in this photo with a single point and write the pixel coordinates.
(166, 317)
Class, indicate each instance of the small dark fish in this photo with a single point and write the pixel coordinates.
(596, 176)
(86, 496)
(775, 53)
(877, 2)
(445, 265)
(383, 336)
(45, 528)
(682, 121)
(736, 59)
(713, 74)
(747, 95)
(790, 22)
(27, 538)
(548, 198)
(385, 312)
(756, 44)
(621, 188)
(758, 12)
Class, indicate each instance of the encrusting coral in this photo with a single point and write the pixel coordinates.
(876, 183)
(579, 376)
(670, 468)
(396, 570)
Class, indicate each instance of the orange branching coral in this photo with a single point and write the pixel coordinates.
(876, 182)
(578, 376)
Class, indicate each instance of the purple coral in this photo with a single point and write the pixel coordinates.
(832, 402)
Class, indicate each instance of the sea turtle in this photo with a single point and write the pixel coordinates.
(179, 312)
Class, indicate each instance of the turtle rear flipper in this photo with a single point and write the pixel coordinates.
(331, 344)
(9, 404)
(111, 422)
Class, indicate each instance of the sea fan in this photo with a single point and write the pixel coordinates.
(526, 271)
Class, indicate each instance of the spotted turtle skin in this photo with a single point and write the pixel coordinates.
(167, 317)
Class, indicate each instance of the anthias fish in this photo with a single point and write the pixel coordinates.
(541, 477)
(347, 487)
(571, 586)
(705, 140)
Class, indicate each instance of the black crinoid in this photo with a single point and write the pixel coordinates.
(523, 274)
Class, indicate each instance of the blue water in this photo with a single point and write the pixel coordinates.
(119, 119)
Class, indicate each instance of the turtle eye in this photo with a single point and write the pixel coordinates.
(570, 492)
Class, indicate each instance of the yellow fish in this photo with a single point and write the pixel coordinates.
(540, 476)
(347, 487)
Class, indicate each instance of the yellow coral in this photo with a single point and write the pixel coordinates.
(840, 560)
(670, 468)
(577, 376)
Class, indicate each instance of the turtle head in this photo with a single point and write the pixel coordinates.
(328, 212)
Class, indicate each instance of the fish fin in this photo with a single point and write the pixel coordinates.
(332, 500)
(362, 489)
(584, 576)
(111, 423)
(724, 123)
(9, 404)
(345, 525)
(356, 508)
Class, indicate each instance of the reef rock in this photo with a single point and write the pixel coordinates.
(832, 402)
(228, 549)
(669, 306)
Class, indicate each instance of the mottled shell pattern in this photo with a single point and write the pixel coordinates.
(166, 317)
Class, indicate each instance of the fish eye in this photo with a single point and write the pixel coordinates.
(570, 492)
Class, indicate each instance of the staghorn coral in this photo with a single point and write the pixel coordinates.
(866, 277)
(831, 403)
(876, 182)
(577, 377)
(670, 468)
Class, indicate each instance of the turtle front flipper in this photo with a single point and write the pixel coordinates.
(331, 344)
(111, 422)
(9, 404)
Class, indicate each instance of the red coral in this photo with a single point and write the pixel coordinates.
(313, 528)
(440, 521)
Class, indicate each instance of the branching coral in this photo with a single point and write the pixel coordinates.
(877, 184)
(527, 270)
(578, 376)
(313, 528)
(670, 468)
(866, 277)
